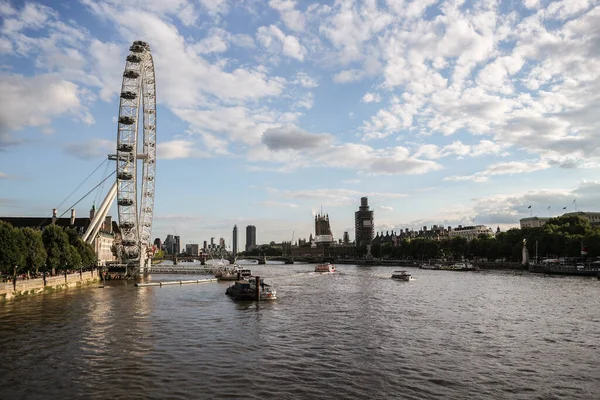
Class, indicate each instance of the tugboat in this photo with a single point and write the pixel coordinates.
(245, 289)
(325, 268)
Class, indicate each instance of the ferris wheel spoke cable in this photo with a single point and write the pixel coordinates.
(99, 192)
(85, 195)
(80, 185)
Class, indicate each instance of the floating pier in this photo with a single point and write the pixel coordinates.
(175, 282)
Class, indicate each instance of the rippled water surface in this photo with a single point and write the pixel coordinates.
(355, 334)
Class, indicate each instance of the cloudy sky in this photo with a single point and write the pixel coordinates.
(441, 112)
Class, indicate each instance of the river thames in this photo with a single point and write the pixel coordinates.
(355, 334)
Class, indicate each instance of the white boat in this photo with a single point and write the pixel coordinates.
(402, 276)
(462, 266)
(325, 268)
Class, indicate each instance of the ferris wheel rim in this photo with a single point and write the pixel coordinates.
(138, 85)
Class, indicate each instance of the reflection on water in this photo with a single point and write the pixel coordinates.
(352, 334)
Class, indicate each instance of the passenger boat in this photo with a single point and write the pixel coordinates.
(402, 276)
(459, 267)
(325, 268)
(232, 273)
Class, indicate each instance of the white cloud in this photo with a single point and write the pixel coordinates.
(505, 168)
(386, 208)
(274, 40)
(371, 98)
(347, 76)
(293, 18)
(34, 101)
(305, 80)
(178, 149)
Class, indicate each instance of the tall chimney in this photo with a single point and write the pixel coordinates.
(53, 216)
(72, 217)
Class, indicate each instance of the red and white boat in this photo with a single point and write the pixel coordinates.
(325, 268)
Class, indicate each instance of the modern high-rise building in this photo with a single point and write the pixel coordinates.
(204, 247)
(234, 242)
(221, 243)
(250, 237)
(177, 245)
(346, 238)
(363, 223)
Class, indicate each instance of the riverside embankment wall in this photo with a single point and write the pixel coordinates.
(34, 286)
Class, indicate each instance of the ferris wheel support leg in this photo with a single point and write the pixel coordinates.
(96, 223)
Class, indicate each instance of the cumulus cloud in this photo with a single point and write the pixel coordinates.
(34, 101)
(506, 168)
(371, 98)
(294, 138)
(178, 149)
(274, 40)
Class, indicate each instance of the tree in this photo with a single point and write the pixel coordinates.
(56, 242)
(73, 259)
(35, 253)
(12, 248)
(87, 253)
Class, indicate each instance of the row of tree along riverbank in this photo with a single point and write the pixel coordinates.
(30, 252)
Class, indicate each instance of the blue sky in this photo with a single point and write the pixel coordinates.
(441, 112)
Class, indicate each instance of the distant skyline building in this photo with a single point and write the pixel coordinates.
(192, 249)
(235, 241)
(346, 239)
(322, 229)
(204, 248)
(363, 223)
(250, 237)
(177, 245)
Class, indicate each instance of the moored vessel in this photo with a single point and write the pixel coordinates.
(232, 273)
(245, 289)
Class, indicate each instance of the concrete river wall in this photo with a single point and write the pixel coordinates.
(25, 287)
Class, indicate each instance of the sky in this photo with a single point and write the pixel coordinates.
(269, 111)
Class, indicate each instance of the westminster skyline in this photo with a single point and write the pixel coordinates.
(440, 112)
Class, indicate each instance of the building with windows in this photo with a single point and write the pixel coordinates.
(363, 223)
(533, 222)
(250, 237)
(192, 249)
(322, 230)
(471, 232)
